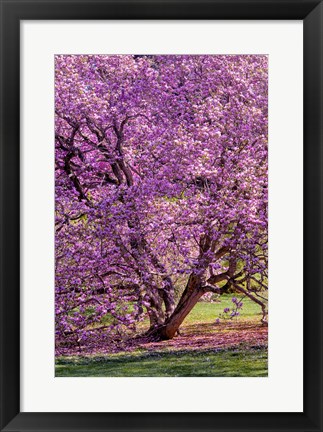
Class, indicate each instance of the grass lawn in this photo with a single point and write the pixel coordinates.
(231, 348)
(226, 363)
(208, 312)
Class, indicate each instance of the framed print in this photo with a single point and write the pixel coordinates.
(161, 174)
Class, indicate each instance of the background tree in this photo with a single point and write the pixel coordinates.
(161, 182)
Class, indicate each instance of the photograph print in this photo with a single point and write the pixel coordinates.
(161, 215)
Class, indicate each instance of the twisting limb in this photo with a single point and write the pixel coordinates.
(253, 298)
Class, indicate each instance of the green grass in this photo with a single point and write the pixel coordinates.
(224, 363)
(208, 312)
(205, 312)
(174, 360)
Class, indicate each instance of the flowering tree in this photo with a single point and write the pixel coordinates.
(161, 182)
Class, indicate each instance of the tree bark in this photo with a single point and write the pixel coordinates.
(191, 295)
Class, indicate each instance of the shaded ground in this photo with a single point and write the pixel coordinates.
(204, 348)
(213, 336)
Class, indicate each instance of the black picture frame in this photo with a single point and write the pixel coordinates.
(12, 12)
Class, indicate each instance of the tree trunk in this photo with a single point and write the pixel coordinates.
(167, 294)
(192, 293)
(155, 310)
(155, 318)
